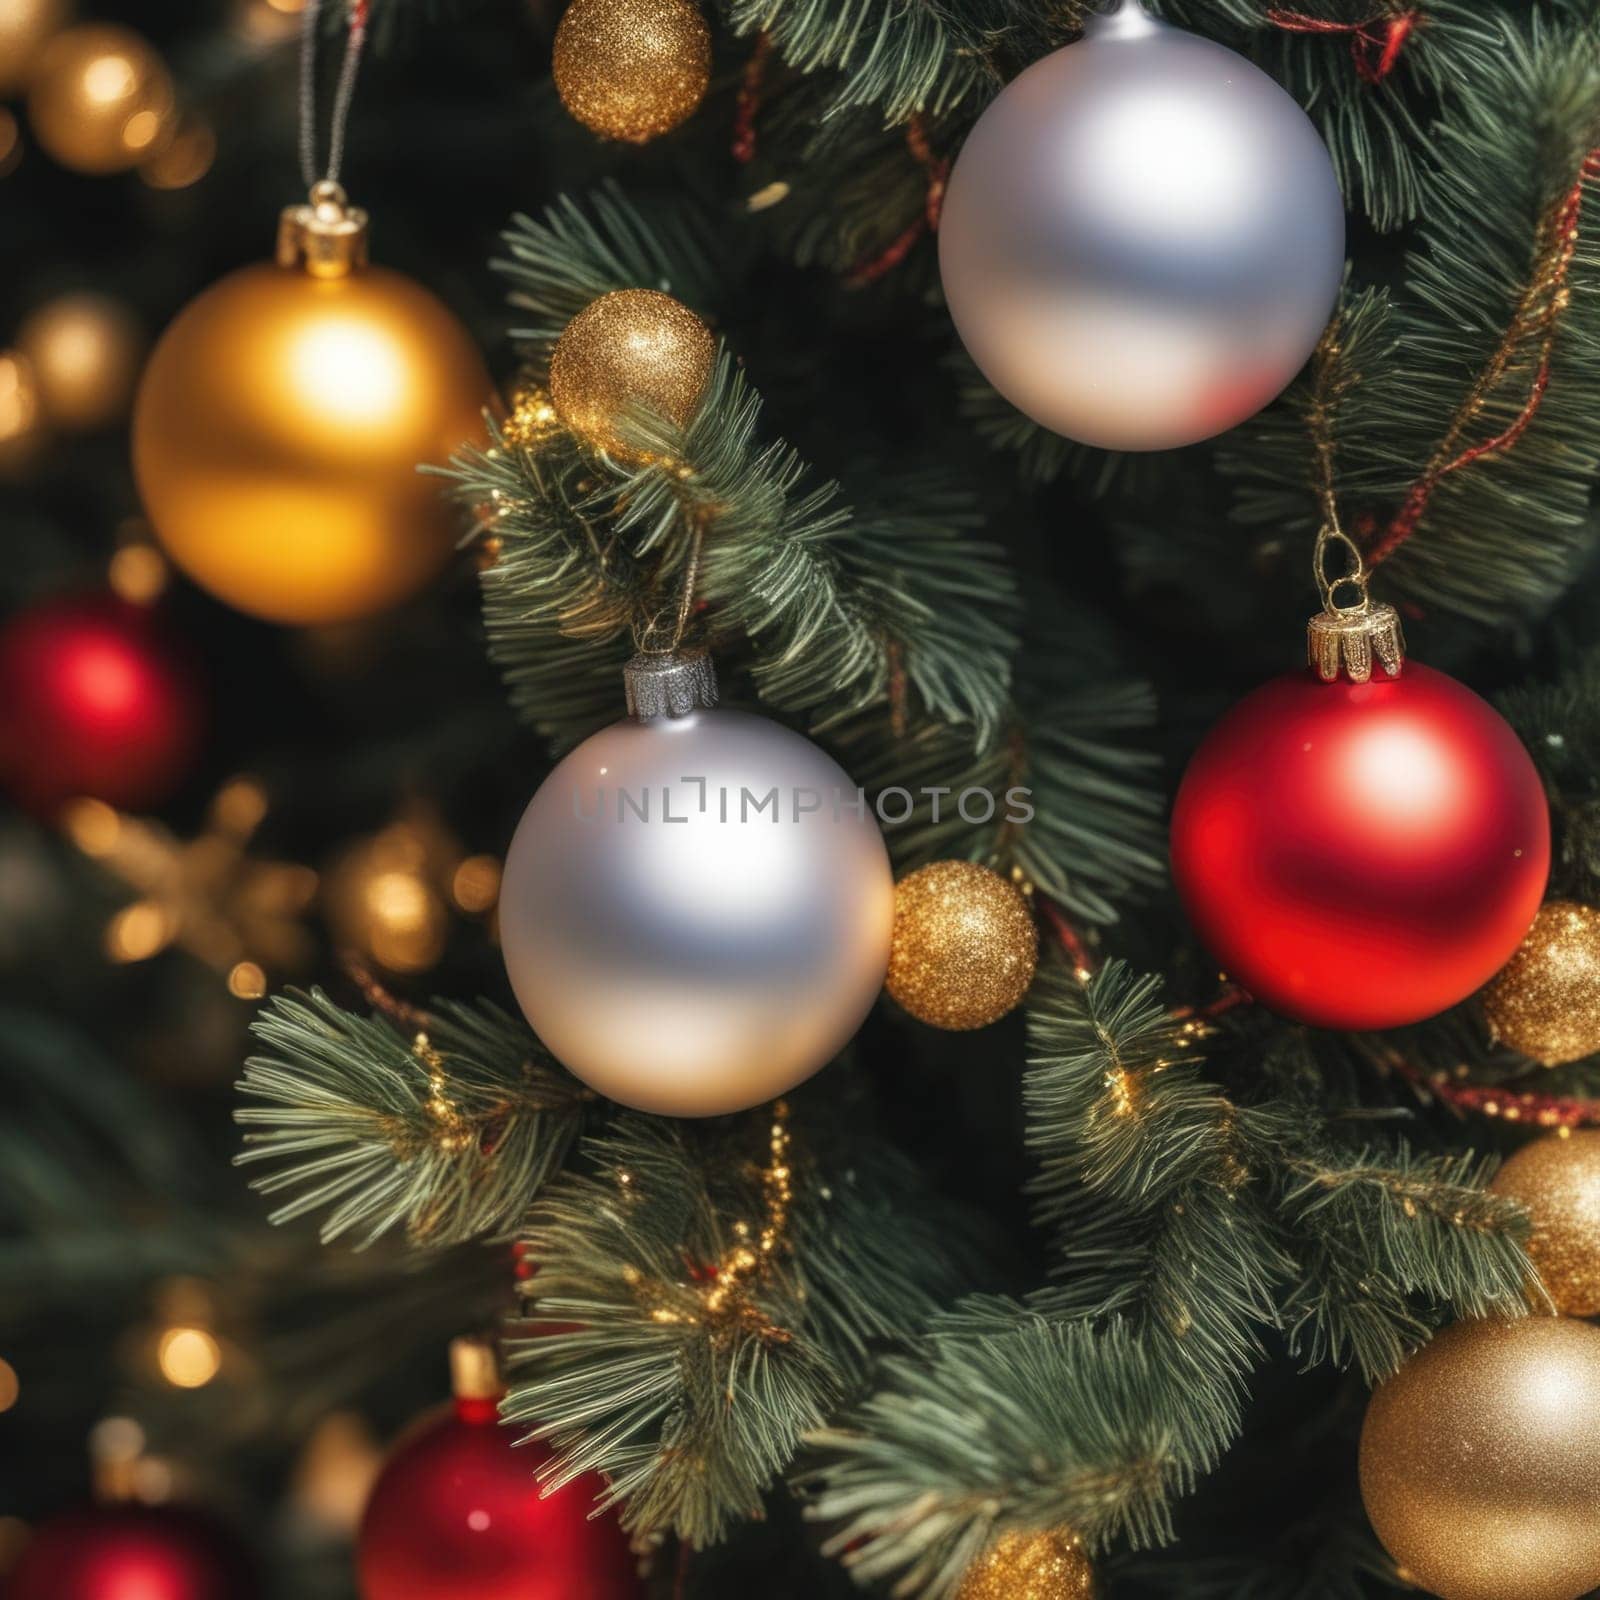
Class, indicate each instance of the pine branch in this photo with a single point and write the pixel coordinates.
(1016, 1420)
(721, 1302)
(1463, 436)
(914, 56)
(1381, 1230)
(1095, 836)
(448, 1135)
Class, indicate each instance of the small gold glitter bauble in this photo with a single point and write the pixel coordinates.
(1480, 1461)
(632, 69)
(1031, 1566)
(85, 352)
(965, 947)
(100, 99)
(631, 349)
(1545, 1003)
(25, 28)
(1558, 1179)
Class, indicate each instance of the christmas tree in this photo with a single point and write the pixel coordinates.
(979, 1072)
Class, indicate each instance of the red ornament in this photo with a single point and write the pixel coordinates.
(131, 1552)
(93, 701)
(1361, 855)
(457, 1514)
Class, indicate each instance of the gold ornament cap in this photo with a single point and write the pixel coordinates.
(326, 236)
(669, 683)
(1348, 636)
(475, 1370)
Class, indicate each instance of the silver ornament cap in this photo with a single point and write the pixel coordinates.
(669, 683)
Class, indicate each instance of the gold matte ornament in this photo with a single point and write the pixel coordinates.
(1558, 1179)
(1480, 1461)
(1545, 1003)
(100, 99)
(965, 947)
(632, 69)
(85, 351)
(282, 418)
(1031, 1566)
(633, 349)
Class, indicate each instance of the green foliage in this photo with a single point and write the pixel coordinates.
(447, 1134)
(1466, 333)
(1560, 724)
(706, 1324)
(1184, 1225)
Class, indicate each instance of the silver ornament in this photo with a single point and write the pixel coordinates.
(1143, 237)
(697, 906)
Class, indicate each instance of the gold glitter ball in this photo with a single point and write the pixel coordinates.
(634, 348)
(1030, 1566)
(965, 948)
(1479, 1461)
(1545, 1004)
(632, 69)
(1558, 1179)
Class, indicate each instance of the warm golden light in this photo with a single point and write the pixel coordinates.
(476, 885)
(92, 825)
(247, 981)
(240, 805)
(85, 351)
(139, 931)
(19, 396)
(26, 27)
(100, 97)
(10, 1385)
(278, 432)
(189, 1357)
(185, 158)
(138, 573)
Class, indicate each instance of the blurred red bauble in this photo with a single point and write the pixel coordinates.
(131, 1552)
(1361, 855)
(93, 701)
(456, 1515)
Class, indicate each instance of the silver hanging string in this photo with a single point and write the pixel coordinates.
(344, 94)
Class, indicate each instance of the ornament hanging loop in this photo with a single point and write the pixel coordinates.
(328, 185)
(1347, 636)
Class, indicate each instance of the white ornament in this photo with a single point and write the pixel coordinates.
(697, 905)
(1143, 237)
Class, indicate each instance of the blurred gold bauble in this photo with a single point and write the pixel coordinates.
(100, 99)
(279, 427)
(1480, 1461)
(1558, 1179)
(85, 352)
(385, 896)
(20, 411)
(965, 947)
(1545, 1003)
(633, 349)
(1030, 1566)
(26, 26)
(632, 69)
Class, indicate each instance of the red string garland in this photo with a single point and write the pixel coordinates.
(937, 169)
(1375, 44)
(751, 90)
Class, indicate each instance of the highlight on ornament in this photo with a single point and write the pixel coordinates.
(1142, 239)
(1360, 847)
(702, 964)
(281, 421)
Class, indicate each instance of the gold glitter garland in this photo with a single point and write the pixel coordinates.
(719, 1297)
